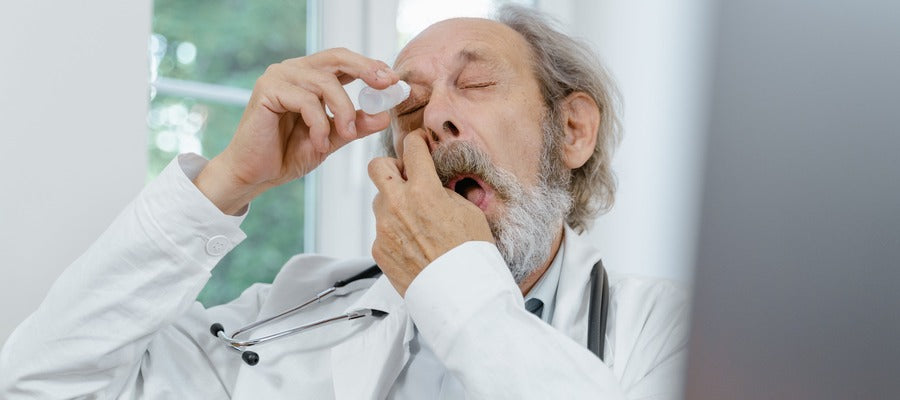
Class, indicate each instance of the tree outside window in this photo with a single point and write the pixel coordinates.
(205, 58)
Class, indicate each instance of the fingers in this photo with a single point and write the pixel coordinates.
(347, 66)
(334, 96)
(368, 124)
(282, 97)
(364, 125)
(417, 158)
(325, 88)
(323, 75)
(348, 124)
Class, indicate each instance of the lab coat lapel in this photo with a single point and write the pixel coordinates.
(573, 294)
(365, 366)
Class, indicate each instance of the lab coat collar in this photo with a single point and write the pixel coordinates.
(573, 292)
(366, 366)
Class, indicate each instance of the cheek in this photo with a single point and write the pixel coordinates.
(521, 143)
(401, 126)
(409, 122)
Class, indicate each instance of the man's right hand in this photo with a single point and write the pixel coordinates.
(285, 133)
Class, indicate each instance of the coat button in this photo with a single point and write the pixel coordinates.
(218, 245)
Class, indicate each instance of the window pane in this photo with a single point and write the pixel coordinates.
(226, 43)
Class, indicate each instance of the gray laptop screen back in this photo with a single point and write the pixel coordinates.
(797, 291)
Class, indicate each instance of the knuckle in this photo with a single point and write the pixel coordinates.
(322, 79)
(374, 165)
(376, 202)
(343, 112)
(316, 127)
(408, 138)
(264, 80)
(322, 124)
(377, 252)
(298, 61)
(271, 69)
(395, 207)
(381, 232)
(309, 99)
(335, 54)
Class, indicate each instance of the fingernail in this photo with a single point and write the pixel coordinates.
(382, 74)
(351, 127)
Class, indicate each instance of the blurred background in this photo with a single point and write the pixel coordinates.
(97, 98)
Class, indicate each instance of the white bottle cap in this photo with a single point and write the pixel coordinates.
(375, 101)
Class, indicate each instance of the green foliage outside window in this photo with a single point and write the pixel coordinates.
(227, 43)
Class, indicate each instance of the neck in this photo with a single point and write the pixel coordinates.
(536, 275)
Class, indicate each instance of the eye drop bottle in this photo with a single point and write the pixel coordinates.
(373, 101)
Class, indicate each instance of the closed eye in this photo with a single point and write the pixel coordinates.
(478, 85)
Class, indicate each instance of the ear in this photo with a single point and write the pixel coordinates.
(581, 119)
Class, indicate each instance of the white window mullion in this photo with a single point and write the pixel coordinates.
(343, 200)
(202, 91)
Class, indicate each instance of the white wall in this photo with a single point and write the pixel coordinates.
(657, 52)
(73, 85)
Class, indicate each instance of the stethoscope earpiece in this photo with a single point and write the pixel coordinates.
(250, 357)
(216, 328)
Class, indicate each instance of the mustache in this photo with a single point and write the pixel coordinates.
(457, 158)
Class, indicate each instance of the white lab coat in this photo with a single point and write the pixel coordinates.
(121, 322)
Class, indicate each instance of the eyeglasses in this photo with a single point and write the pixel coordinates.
(339, 288)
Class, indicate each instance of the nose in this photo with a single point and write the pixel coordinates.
(443, 121)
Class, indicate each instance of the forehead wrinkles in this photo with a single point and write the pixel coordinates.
(450, 61)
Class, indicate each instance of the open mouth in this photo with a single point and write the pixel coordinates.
(473, 189)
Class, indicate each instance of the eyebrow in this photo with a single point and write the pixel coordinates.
(464, 56)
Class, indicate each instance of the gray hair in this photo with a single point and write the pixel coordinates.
(563, 66)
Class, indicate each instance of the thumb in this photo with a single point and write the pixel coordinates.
(368, 124)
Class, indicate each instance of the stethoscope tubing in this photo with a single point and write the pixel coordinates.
(597, 313)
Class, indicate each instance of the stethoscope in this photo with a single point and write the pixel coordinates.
(596, 314)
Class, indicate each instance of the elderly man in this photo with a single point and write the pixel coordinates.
(503, 152)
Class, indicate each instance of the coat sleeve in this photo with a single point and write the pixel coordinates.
(470, 311)
(91, 334)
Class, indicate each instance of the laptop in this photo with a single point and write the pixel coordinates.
(797, 285)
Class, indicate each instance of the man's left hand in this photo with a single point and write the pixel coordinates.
(416, 219)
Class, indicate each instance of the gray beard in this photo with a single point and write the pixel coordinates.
(530, 218)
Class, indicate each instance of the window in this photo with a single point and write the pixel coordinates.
(205, 57)
(413, 16)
